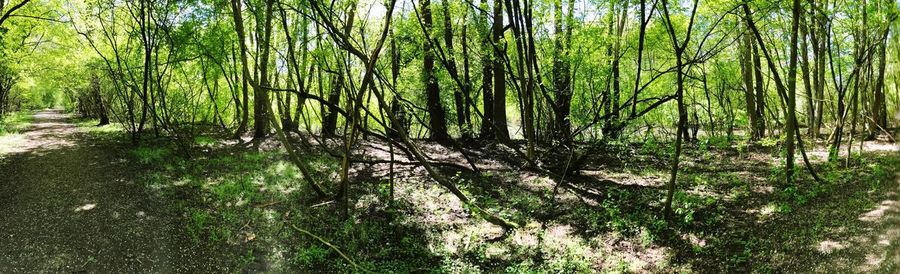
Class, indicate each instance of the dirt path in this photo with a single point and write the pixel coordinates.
(68, 203)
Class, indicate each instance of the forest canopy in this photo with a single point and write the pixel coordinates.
(560, 70)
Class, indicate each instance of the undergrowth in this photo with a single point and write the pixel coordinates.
(724, 219)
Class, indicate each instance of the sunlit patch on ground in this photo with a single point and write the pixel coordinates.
(85, 207)
(829, 246)
(728, 211)
(879, 211)
(12, 143)
(48, 130)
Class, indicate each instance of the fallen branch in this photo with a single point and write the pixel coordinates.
(270, 203)
(323, 241)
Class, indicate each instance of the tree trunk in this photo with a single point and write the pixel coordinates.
(245, 70)
(561, 80)
(467, 80)
(747, 70)
(760, 126)
(879, 108)
(487, 75)
(819, 39)
(329, 122)
(615, 128)
(807, 86)
(437, 117)
(260, 95)
(679, 49)
(499, 97)
(791, 125)
(458, 99)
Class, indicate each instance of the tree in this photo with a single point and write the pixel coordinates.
(12, 9)
(747, 72)
(561, 71)
(679, 49)
(260, 95)
(791, 94)
(487, 72)
(787, 93)
(459, 95)
(436, 114)
(499, 71)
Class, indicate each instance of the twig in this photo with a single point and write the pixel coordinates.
(332, 247)
(271, 203)
(322, 203)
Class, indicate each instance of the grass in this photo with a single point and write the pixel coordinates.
(11, 126)
(15, 122)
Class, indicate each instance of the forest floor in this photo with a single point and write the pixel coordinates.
(80, 198)
(69, 203)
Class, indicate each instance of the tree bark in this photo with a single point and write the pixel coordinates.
(487, 73)
(260, 95)
(458, 99)
(679, 49)
(760, 125)
(561, 79)
(747, 70)
(499, 97)
(437, 117)
(807, 86)
(791, 124)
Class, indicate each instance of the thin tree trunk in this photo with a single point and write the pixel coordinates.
(487, 75)
(561, 79)
(245, 71)
(791, 124)
(679, 49)
(879, 107)
(451, 67)
(760, 126)
(807, 86)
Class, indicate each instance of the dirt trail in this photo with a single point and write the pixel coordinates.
(68, 203)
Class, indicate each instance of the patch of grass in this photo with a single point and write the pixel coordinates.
(148, 155)
(91, 126)
(204, 140)
(723, 222)
(199, 222)
(719, 142)
(15, 122)
(685, 204)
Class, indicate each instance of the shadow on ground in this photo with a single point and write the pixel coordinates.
(729, 215)
(70, 203)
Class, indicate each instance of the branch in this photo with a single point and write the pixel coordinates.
(11, 10)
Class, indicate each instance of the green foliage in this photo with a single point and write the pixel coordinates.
(149, 155)
(312, 255)
(178, 73)
(199, 223)
(686, 204)
(14, 122)
(718, 142)
(204, 140)
(771, 141)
